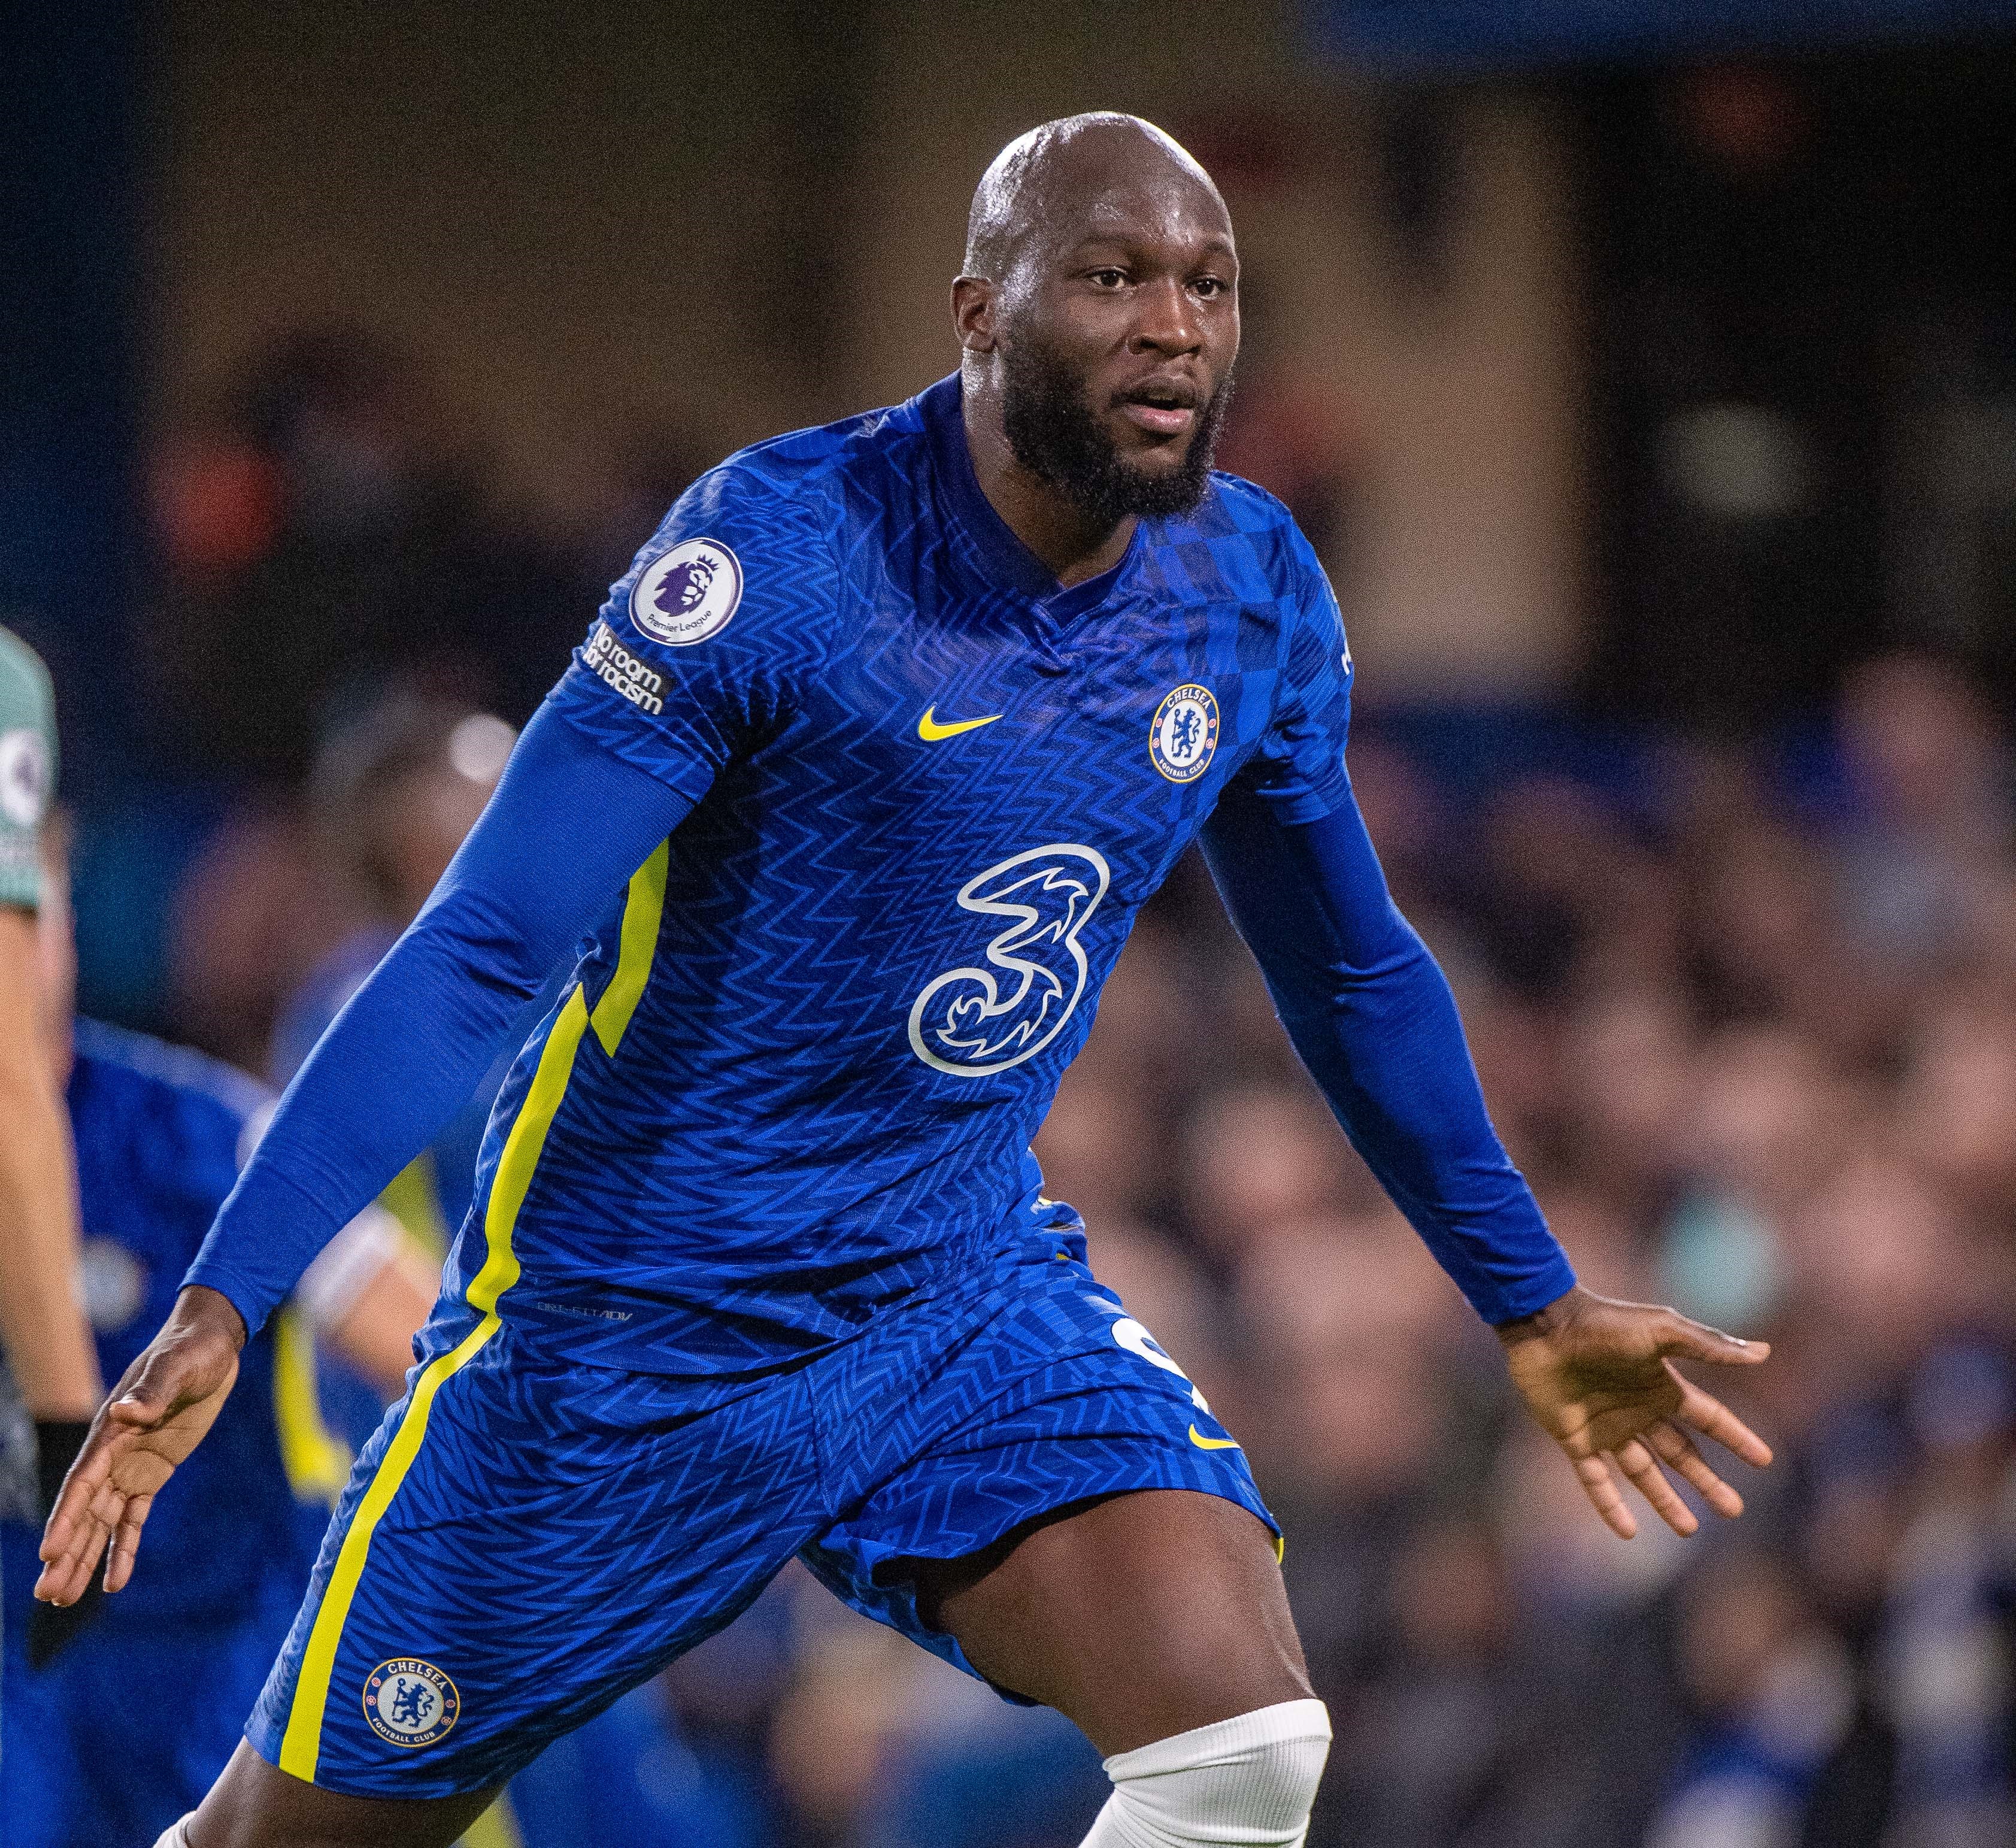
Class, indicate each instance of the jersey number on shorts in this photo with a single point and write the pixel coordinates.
(1136, 1340)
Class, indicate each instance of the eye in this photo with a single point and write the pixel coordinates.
(1108, 278)
(1209, 286)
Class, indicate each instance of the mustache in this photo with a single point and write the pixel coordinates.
(1169, 394)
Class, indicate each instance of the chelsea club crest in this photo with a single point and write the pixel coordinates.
(410, 1702)
(1184, 734)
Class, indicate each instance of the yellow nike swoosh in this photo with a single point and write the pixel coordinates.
(1212, 1443)
(931, 731)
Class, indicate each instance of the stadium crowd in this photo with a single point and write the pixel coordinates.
(1745, 1011)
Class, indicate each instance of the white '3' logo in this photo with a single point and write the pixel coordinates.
(966, 1022)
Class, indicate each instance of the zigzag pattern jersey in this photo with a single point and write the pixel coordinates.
(932, 789)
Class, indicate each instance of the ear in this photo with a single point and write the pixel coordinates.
(973, 303)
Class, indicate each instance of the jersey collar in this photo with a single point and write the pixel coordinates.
(1003, 557)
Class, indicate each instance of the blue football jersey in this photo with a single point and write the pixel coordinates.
(161, 1134)
(932, 788)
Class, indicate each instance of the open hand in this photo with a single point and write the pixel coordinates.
(1599, 1377)
(157, 1414)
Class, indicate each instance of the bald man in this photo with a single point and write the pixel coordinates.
(843, 812)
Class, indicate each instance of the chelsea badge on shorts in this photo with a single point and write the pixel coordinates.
(1184, 734)
(410, 1702)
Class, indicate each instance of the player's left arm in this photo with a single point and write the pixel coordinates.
(1373, 1019)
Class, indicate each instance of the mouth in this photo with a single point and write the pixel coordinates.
(1162, 407)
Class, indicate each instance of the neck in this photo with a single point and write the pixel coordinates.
(1051, 526)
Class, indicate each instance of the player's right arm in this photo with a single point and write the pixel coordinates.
(656, 703)
(568, 824)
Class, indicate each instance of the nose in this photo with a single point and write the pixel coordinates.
(1166, 320)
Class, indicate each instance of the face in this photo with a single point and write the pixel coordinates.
(1116, 342)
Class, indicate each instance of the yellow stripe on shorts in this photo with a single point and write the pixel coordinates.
(300, 1746)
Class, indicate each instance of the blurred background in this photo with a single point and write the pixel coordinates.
(1645, 373)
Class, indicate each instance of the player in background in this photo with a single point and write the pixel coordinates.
(109, 1731)
(842, 816)
(44, 1343)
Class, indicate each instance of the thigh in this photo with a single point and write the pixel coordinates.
(998, 1460)
(1138, 1617)
(523, 1541)
(254, 1806)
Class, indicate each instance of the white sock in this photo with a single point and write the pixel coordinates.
(177, 1834)
(1246, 1782)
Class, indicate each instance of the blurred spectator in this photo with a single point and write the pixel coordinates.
(324, 533)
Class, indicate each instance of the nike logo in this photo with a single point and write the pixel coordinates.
(1212, 1443)
(931, 731)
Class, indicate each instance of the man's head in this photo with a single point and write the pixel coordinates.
(1099, 310)
(395, 790)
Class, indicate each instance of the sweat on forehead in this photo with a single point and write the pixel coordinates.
(1033, 183)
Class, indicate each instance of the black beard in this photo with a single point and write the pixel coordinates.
(1053, 433)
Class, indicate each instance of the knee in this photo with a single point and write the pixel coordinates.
(1250, 1781)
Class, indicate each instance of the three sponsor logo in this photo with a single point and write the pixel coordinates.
(970, 1022)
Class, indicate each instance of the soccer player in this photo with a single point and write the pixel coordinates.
(853, 789)
(159, 1135)
(43, 1338)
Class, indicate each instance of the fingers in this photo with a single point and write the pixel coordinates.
(1601, 1488)
(1639, 1465)
(87, 1511)
(69, 1520)
(1640, 1460)
(1712, 1418)
(1695, 1341)
(126, 1542)
(66, 1571)
(1673, 1449)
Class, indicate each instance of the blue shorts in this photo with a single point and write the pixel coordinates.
(526, 1537)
